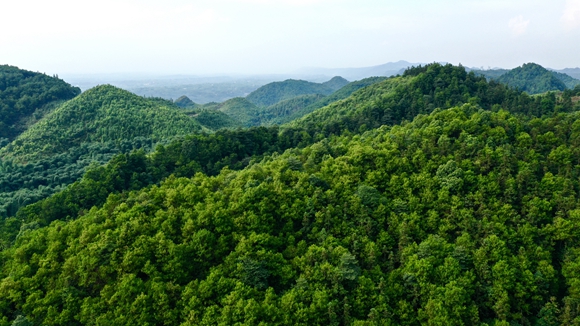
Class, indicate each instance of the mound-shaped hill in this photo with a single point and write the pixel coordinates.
(214, 119)
(101, 114)
(294, 108)
(88, 129)
(184, 102)
(533, 79)
(281, 111)
(419, 91)
(26, 96)
(238, 108)
(336, 83)
(460, 217)
(273, 93)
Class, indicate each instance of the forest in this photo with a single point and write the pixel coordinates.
(436, 197)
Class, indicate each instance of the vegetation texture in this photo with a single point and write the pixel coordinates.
(434, 198)
(25, 96)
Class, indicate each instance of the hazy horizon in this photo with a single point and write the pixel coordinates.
(257, 37)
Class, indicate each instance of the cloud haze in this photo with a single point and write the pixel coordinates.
(273, 36)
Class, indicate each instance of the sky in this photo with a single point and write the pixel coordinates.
(281, 36)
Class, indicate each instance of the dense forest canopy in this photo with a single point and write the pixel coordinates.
(460, 217)
(436, 197)
(27, 95)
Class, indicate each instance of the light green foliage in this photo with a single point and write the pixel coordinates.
(414, 224)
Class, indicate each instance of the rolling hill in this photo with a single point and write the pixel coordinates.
(88, 129)
(436, 198)
(26, 96)
(273, 93)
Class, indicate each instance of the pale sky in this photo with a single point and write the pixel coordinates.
(280, 36)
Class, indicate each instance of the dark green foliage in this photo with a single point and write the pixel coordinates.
(463, 216)
(283, 111)
(419, 91)
(214, 120)
(295, 108)
(184, 102)
(567, 80)
(25, 95)
(387, 241)
(133, 171)
(238, 108)
(91, 128)
(336, 83)
(102, 114)
(533, 79)
(273, 93)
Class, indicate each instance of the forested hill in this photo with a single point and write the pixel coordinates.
(273, 93)
(461, 217)
(533, 79)
(297, 107)
(101, 114)
(88, 129)
(25, 96)
(419, 91)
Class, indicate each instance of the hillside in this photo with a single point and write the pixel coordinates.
(566, 79)
(25, 97)
(419, 91)
(294, 108)
(88, 129)
(533, 79)
(99, 115)
(460, 217)
(273, 93)
(281, 111)
(214, 119)
(238, 108)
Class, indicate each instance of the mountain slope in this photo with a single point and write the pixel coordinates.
(460, 217)
(533, 79)
(292, 109)
(27, 95)
(273, 93)
(419, 91)
(104, 113)
(566, 79)
(88, 129)
(238, 108)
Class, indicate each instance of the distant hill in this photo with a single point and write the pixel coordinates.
(572, 72)
(184, 102)
(336, 83)
(25, 96)
(533, 79)
(288, 110)
(419, 91)
(214, 119)
(281, 111)
(489, 73)
(273, 93)
(566, 79)
(238, 108)
(385, 70)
